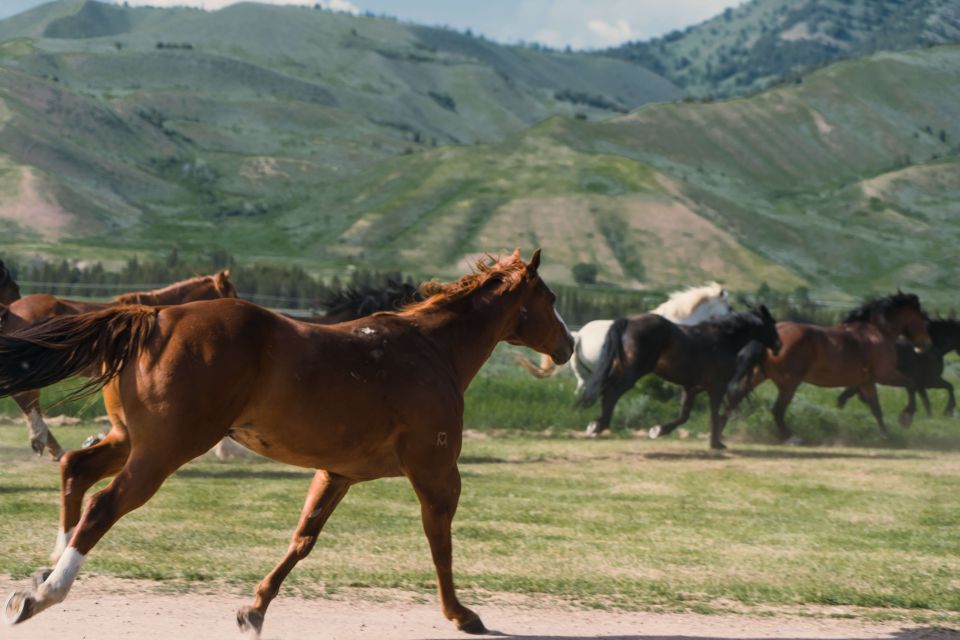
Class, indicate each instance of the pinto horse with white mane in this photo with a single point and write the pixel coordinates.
(371, 398)
(38, 307)
(689, 306)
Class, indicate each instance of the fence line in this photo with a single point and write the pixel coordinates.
(647, 301)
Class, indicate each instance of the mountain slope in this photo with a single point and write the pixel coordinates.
(762, 42)
(236, 135)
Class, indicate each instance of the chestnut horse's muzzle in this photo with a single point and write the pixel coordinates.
(565, 351)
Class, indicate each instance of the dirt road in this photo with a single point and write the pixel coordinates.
(106, 609)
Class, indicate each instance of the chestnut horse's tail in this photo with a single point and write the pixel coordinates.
(548, 368)
(64, 346)
(611, 351)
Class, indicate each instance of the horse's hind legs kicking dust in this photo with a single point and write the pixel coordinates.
(686, 406)
(439, 494)
(326, 492)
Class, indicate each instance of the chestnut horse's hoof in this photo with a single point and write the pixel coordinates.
(20, 606)
(38, 444)
(654, 432)
(91, 440)
(906, 419)
(250, 620)
(474, 626)
(40, 576)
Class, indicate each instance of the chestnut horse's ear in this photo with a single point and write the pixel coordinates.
(534, 262)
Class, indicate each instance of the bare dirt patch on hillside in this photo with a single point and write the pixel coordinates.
(33, 209)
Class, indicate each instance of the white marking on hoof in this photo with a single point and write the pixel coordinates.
(57, 586)
(654, 432)
(63, 537)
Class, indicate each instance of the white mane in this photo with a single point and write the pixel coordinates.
(682, 304)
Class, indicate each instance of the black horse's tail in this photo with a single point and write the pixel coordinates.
(64, 346)
(611, 351)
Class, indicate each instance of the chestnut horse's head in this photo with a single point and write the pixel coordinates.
(224, 286)
(9, 289)
(897, 314)
(539, 325)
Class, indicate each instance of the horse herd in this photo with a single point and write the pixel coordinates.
(184, 367)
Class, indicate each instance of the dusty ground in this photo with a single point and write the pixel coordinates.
(97, 610)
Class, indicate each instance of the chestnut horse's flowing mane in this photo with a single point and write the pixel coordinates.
(488, 269)
(154, 296)
(881, 306)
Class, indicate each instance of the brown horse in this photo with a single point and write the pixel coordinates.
(859, 352)
(41, 306)
(376, 397)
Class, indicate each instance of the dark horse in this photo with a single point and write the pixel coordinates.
(701, 357)
(861, 351)
(921, 371)
(9, 289)
(376, 397)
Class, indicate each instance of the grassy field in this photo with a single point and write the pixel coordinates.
(608, 523)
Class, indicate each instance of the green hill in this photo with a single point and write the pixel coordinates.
(285, 134)
(763, 42)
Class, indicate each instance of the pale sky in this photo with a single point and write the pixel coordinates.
(578, 23)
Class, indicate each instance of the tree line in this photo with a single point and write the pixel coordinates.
(291, 287)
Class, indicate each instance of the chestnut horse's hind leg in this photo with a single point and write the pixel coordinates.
(784, 396)
(326, 492)
(141, 476)
(439, 494)
(868, 394)
(80, 470)
(40, 436)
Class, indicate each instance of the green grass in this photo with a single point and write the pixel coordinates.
(613, 522)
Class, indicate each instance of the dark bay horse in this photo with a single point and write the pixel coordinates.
(701, 357)
(9, 289)
(37, 307)
(352, 302)
(921, 371)
(376, 397)
(861, 351)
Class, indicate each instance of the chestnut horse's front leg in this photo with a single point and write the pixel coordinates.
(326, 492)
(439, 494)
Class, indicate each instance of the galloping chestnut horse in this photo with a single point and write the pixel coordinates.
(40, 306)
(701, 357)
(375, 397)
(921, 371)
(860, 352)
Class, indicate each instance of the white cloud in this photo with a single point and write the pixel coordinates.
(212, 5)
(610, 33)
